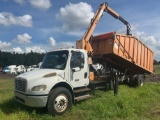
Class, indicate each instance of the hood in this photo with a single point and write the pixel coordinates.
(40, 73)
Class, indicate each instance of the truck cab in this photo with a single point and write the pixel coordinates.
(52, 86)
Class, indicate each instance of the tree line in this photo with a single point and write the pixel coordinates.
(27, 59)
(156, 62)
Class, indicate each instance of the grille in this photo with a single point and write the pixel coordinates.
(20, 85)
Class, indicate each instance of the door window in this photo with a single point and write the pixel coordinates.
(77, 60)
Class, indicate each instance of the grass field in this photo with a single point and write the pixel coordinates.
(131, 103)
(141, 103)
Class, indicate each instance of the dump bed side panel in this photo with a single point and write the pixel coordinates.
(124, 52)
(102, 46)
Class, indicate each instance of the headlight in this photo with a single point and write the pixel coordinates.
(39, 88)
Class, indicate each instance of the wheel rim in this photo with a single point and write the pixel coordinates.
(61, 103)
(141, 83)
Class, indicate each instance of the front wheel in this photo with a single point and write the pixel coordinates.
(59, 101)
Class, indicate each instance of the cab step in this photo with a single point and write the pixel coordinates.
(98, 84)
(86, 89)
(100, 87)
(79, 98)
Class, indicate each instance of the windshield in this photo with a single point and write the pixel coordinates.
(55, 60)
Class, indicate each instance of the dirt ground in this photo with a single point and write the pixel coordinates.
(7, 76)
(153, 78)
(149, 78)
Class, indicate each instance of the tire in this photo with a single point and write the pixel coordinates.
(132, 81)
(139, 81)
(59, 101)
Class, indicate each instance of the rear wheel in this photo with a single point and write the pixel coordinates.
(137, 80)
(59, 101)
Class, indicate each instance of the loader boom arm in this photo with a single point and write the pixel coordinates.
(84, 43)
(117, 16)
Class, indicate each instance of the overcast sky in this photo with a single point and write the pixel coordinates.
(43, 25)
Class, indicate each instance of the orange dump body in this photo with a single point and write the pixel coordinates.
(123, 52)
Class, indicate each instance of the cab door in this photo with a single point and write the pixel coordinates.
(78, 69)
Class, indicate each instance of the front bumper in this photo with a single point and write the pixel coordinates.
(31, 100)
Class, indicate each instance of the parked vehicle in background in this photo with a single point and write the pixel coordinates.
(29, 68)
(20, 69)
(5, 69)
(34, 66)
(10, 69)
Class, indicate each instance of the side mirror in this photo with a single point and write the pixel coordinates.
(76, 69)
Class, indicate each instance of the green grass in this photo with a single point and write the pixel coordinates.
(131, 104)
(157, 69)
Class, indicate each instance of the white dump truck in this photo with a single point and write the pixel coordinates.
(65, 75)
